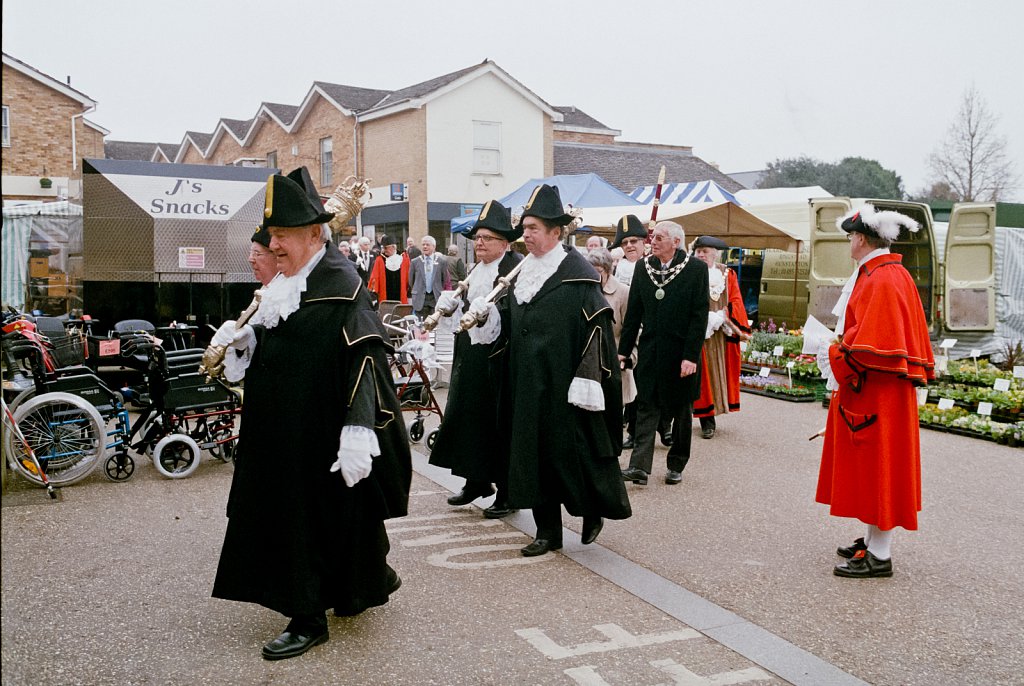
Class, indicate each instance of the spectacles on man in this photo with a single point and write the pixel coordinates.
(486, 239)
(631, 241)
(254, 255)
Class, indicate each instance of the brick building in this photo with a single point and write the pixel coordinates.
(45, 134)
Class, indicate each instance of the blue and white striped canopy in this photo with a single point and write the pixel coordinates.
(691, 192)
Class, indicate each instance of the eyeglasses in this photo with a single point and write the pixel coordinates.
(487, 239)
(631, 241)
(253, 255)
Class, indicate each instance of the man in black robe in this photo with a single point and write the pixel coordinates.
(565, 399)
(472, 441)
(302, 537)
(668, 298)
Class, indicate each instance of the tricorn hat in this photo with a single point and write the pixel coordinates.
(628, 226)
(495, 217)
(386, 240)
(710, 242)
(545, 203)
(293, 201)
(868, 221)
(262, 236)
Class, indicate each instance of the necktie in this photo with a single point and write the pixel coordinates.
(428, 267)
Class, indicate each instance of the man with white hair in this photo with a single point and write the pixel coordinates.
(668, 311)
(321, 460)
(428, 277)
(363, 256)
(871, 460)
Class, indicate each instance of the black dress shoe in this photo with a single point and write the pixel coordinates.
(673, 477)
(591, 528)
(864, 565)
(540, 546)
(636, 475)
(628, 444)
(499, 510)
(708, 432)
(296, 639)
(469, 493)
(666, 438)
(850, 551)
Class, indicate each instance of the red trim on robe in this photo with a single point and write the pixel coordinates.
(704, 406)
(378, 282)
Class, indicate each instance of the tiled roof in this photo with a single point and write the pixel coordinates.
(425, 87)
(283, 112)
(170, 150)
(238, 126)
(577, 117)
(351, 97)
(202, 140)
(128, 150)
(626, 167)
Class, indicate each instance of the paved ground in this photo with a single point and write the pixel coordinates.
(722, 579)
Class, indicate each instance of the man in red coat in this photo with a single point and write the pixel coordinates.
(871, 461)
(389, 277)
(720, 359)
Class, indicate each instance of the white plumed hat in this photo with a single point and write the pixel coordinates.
(884, 224)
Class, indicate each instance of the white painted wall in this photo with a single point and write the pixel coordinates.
(450, 117)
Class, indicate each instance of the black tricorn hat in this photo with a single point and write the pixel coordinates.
(628, 226)
(710, 242)
(386, 240)
(262, 236)
(293, 201)
(495, 217)
(868, 220)
(545, 203)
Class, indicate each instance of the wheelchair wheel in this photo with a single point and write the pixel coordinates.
(176, 456)
(119, 467)
(431, 438)
(416, 430)
(66, 433)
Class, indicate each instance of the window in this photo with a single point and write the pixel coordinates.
(486, 147)
(7, 127)
(326, 157)
(272, 160)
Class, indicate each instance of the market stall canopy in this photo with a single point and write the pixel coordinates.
(578, 190)
(691, 192)
(726, 220)
(53, 228)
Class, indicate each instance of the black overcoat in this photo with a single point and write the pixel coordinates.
(672, 331)
(473, 440)
(559, 452)
(298, 540)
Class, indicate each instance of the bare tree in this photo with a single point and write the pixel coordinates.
(972, 159)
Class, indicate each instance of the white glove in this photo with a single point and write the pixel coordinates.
(448, 302)
(715, 321)
(355, 454)
(825, 365)
(481, 309)
(228, 336)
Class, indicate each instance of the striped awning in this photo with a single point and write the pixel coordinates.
(691, 192)
(23, 224)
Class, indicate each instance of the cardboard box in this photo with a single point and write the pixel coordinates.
(58, 286)
(39, 267)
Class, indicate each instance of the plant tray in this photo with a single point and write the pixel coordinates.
(779, 396)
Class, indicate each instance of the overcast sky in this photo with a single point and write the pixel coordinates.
(744, 83)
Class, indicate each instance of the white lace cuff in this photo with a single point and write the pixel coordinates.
(586, 394)
(489, 330)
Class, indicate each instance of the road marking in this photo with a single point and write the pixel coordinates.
(444, 558)
(680, 675)
(441, 539)
(618, 638)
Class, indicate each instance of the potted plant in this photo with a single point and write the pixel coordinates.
(45, 182)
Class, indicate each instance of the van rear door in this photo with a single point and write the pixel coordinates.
(969, 286)
(831, 264)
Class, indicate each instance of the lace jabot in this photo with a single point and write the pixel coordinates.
(535, 271)
(283, 295)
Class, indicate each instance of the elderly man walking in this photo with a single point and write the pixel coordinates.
(428, 277)
(668, 298)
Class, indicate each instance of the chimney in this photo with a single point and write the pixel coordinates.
(69, 79)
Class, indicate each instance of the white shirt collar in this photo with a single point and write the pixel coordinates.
(283, 294)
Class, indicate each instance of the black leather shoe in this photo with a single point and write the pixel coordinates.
(499, 510)
(850, 551)
(636, 475)
(591, 528)
(864, 565)
(540, 546)
(666, 438)
(628, 444)
(294, 643)
(708, 432)
(673, 477)
(469, 493)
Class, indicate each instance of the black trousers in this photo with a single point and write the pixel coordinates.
(649, 418)
(548, 517)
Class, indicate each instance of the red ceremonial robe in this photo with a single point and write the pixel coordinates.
(379, 284)
(737, 329)
(871, 460)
